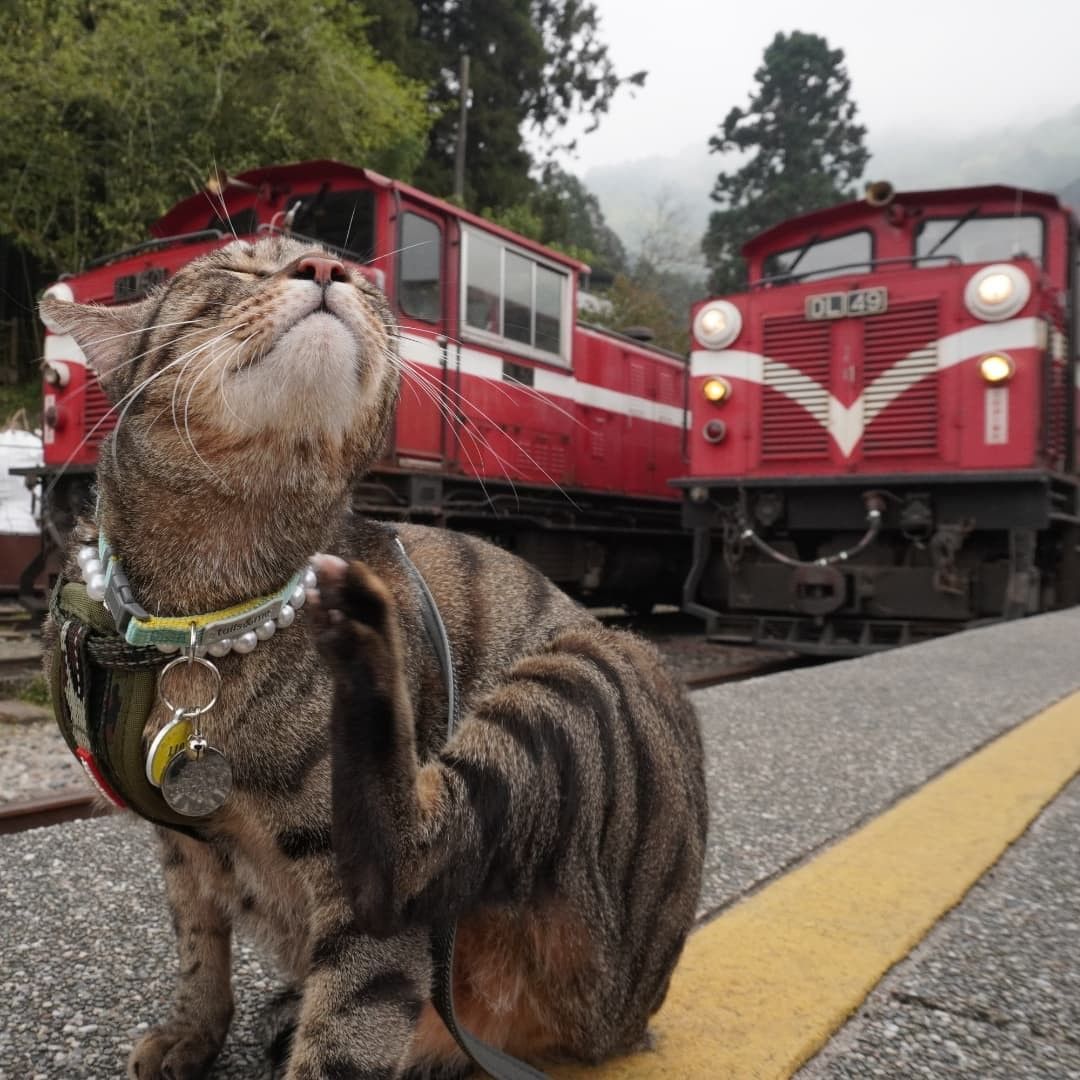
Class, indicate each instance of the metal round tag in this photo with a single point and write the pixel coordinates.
(197, 784)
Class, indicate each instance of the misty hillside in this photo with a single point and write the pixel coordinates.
(1044, 156)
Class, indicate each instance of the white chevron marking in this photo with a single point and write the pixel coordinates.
(847, 423)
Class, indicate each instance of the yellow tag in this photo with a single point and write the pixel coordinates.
(168, 742)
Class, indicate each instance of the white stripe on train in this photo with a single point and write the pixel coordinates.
(485, 365)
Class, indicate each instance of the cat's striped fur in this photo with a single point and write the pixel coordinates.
(563, 825)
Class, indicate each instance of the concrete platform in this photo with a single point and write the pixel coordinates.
(801, 766)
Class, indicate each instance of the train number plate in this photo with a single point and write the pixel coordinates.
(839, 305)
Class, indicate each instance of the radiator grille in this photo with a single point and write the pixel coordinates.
(1059, 383)
(903, 339)
(96, 411)
(795, 411)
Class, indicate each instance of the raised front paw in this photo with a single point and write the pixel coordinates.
(173, 1051)
(350, 609)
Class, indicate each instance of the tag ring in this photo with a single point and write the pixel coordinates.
(202, 661)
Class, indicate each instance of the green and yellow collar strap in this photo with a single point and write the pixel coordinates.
(138, 627)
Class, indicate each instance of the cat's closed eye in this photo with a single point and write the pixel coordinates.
(245, 272)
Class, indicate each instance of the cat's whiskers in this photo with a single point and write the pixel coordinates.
(207, 366)
(225, 215)
(125, 402)
(141, 330)
(529, 391)
(465, 402)
(192, 356)
(430, 388)
(398, 251)
(442, 405)
(221, 381)
(420, 381)
(113, 371)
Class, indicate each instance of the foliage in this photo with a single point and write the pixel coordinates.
(805, 149)
(570, 217)
(635, 304)
(24, 397)
(113, 109)
(562, 213)
(534, 64)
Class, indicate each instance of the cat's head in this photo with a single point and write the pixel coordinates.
(249, 359)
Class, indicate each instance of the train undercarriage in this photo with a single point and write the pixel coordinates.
(602, 549)
(851, 565)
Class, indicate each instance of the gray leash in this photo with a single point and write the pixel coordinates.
(497, 1063)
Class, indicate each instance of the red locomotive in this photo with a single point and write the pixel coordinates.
(515, 421)
(883, 425)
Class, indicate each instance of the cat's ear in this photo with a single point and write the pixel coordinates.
(106, 335)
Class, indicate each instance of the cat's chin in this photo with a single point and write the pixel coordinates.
(308, 379)
(321, 338)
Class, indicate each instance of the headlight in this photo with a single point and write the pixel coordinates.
(997, 368)
(717, 324)
(997, 292)
(716, 390)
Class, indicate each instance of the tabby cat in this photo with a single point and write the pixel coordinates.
(563, 824)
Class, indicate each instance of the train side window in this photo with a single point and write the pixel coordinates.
(514, 296)
(517, 298)
(549, 309)
(418, 268)
(483, 277)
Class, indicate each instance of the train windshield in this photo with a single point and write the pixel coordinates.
(819, 258)
(343, 220)
(974, 239)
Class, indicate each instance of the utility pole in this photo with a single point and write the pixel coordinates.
(462, 131)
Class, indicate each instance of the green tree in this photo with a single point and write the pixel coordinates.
(805, 149)
(635, 303)
(112, 109)
(534, 66)
(570, 219)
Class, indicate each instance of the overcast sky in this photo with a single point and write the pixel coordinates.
(947, 66)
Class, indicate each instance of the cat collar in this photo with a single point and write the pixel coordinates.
(238, 628)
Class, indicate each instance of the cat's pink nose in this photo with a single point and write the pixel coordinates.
(320, 269)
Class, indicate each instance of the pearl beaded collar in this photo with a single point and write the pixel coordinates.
(96, 576)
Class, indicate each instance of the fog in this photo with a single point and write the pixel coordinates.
(943, 68)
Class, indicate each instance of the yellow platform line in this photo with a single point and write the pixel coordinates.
(761, 988)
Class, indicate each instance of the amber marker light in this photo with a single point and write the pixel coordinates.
(716, 390)
(997, 368)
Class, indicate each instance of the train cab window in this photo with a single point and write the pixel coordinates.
(242, 223)
(343, 220)
(852, 253)
(511, 295)
(418, 268)
(974, 239)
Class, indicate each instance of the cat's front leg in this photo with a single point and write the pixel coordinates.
(186, 1045)
(373, 759)
(362, 999)
(419, 845)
